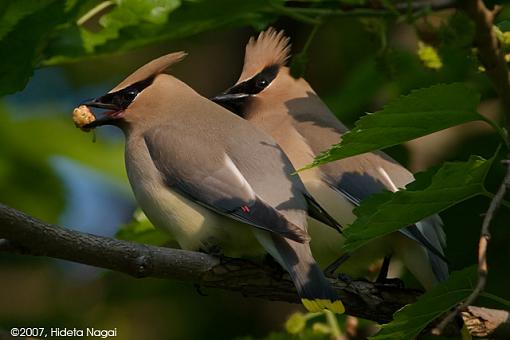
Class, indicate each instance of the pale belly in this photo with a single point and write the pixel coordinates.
(327, 243)
(193, 226)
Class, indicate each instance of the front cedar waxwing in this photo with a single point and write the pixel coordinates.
(211, 179)
(290, 111)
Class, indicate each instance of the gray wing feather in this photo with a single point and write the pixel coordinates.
(216, 184)
(428, 232)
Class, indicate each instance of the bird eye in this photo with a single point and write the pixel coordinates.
(130, 94)
(261, 83)
(126, 97)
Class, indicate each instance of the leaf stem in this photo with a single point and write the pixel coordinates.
(496, 298)
(333, 324)
(295, 15)
(87, 16)
(490, 195)
(324, 12)
(310, 37)
(501, 131)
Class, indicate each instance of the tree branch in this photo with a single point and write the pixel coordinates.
(493, 60)
(482, 254)
(22, 234)
(489, 52)
(302, 11)
(484, 322)
(30, 236)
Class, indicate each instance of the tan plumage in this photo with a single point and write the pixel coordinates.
(270, 48)
(211, 179)
(292, 113)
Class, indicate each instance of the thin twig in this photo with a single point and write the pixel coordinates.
(483, 243)
(368, 9)
(491, 57)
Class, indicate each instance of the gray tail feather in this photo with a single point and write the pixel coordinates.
(307, 276)
(439, 266)
(429, 232)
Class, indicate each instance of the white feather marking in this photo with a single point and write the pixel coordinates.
(237, 177)
(390, 183)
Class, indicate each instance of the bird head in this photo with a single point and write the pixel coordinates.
(264, 65)
(135, 89)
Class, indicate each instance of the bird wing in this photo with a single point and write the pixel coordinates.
(206, 175)
(371, 173)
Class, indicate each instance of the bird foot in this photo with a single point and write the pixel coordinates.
(213, 250)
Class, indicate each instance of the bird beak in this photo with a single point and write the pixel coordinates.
(109, 117)
(227, 98)
(97, 102)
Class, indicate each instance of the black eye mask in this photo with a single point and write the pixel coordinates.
(256, 84)
(233, 98)
(123, 98)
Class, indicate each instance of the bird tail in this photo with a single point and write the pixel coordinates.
(312, 286)
(432, 228)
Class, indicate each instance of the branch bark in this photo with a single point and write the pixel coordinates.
(484, 322)
(23, 234)
(489, 51)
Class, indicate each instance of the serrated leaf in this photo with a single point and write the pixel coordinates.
(128, 13)
(14, 11)
(409, 321)
(190, 18)
(418, 114)
(432, 192)
(23, 37)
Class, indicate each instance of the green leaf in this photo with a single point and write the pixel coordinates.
(190, 18)
(14, 11)
(429, 56)
(418, 114)
(295, 323)
(128, 13)
(27, 29)
(409, 321)
(26, 146)
(141, 230)
(298, 65)
(432, 192)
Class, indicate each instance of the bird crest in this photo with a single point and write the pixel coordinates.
(271, 47)
(152, 68)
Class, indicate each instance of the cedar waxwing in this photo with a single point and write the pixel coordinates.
(290, 111)
(211, 179)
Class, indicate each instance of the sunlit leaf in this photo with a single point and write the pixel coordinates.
(418, 114)
(128, 13)
(432, 192)
(141, 230)
(412, 319)
(295, 323)
(429, 56)
(188, 19)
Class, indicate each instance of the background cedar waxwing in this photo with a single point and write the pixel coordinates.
(211, 179)
(290, 111)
